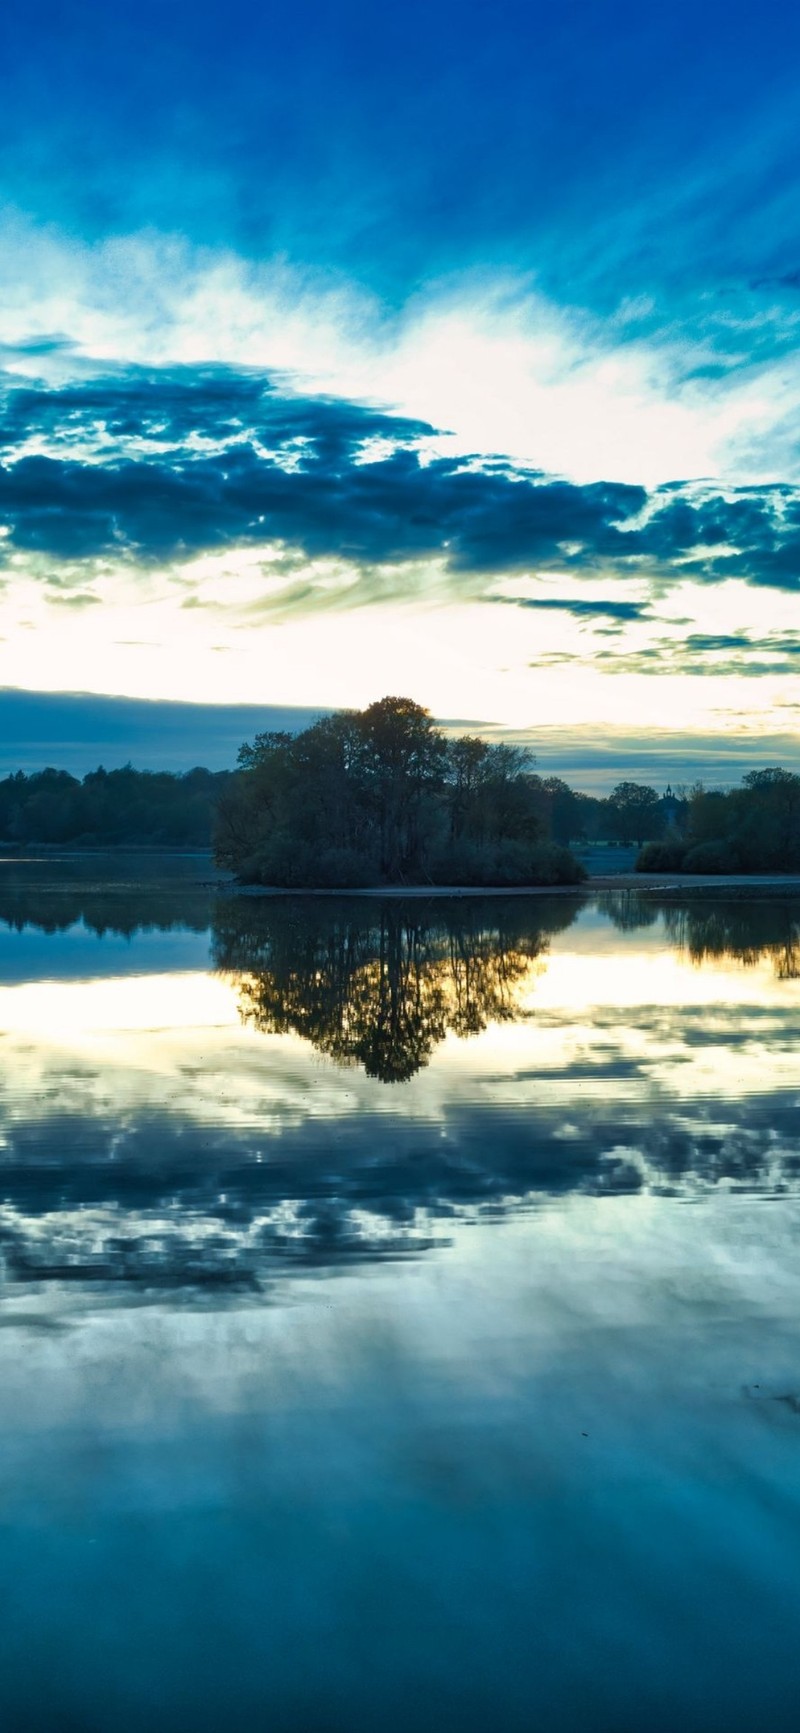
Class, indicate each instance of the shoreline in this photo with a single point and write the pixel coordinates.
(770, 884)
(224, 884)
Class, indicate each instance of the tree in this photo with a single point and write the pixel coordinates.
(634, 813)
(570, 816)
(403, 762)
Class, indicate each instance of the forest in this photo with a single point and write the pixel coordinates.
(130, 808)
(383, 796)
(140, 808)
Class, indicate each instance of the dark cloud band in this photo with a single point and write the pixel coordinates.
(154, 467)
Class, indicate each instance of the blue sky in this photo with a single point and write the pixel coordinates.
(448, 348)
(612, 149)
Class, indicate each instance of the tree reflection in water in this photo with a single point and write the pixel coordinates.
(715, 928)
(747, 933)
(381, 983)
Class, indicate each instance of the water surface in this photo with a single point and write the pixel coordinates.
(399, 1319)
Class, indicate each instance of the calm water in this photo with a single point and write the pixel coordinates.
(400, 1310)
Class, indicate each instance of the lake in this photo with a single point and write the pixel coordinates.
(400, 1320)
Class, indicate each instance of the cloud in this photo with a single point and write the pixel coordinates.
(154, 467)
(76, 731)
(385, 512)
(701, 642)
(583, 609)
(172, 405)
(77, 599)
(733, 654)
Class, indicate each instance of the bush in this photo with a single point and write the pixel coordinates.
(506, 863)
(712, 857)
(553, 865)
(292, 864)
(344, 868)
(662, 857)
(280, 862)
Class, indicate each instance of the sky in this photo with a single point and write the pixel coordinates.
(444, 349)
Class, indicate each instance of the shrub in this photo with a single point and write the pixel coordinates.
(293, 864)
(344, 868)
(712, 857)
(553, 865)
(509, 862)
(280, 861)
(662, 857)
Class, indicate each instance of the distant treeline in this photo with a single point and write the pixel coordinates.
(382, 796)
(755, 828)
(110, 808)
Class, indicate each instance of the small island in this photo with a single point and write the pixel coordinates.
(382, 796)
